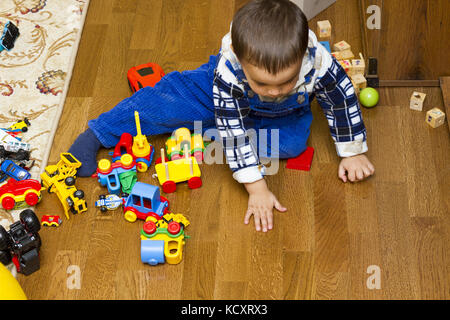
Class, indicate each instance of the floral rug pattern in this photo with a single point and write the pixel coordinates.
(35, 74)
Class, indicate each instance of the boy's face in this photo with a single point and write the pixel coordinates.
(271, 85)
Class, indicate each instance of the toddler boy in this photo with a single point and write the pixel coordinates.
(269, 69)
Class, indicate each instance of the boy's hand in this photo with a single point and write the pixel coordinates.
(357, 167)
(260, 204)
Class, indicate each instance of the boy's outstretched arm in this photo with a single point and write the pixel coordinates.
(240, 153)
(339, 102)
(261, 202)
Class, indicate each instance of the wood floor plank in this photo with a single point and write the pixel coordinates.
(398, 267)
(331, 247)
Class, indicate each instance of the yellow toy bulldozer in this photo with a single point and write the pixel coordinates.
(60, 179)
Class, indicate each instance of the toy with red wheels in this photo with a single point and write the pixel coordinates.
(137, 146)
(144, 201)
(184, 169)
(19, 194)
(144, 75)
(163, 240)
(125, 146)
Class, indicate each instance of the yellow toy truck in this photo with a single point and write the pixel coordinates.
(60, 179)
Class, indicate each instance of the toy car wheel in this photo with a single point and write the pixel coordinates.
(8, 203)
(130, 216)
(5, 257)
(103, 209)
(31, 198)
(21, 154)
(141, 166)
(30, 221)
(4, 238)
(169, 186)
(79, 194)
(173, 227)
(194, 182)
(149, 227)
(70, 181)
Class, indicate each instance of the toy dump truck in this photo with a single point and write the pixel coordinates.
(60, 179)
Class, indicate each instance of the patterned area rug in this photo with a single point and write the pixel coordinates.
(35, 74)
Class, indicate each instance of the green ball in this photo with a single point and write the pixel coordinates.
(369, 97)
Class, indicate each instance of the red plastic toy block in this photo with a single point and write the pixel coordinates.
(302, 162)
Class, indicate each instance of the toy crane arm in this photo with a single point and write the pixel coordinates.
(140, 139)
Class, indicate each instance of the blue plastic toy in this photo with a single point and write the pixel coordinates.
(14, 171)
(9, 36)
(326, 44)
(144, 201)
(109, 175)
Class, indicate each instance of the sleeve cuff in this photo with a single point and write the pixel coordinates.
(351, 148)
(248, 175)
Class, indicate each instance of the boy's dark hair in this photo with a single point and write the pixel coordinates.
(270, 34)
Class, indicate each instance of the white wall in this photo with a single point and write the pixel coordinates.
(311, 8)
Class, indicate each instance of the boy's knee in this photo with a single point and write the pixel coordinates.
(292, 151)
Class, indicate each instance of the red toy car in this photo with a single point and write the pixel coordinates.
(144, 75)
(51, 221)
(19, 194)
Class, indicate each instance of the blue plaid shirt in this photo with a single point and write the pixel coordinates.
(330, 85)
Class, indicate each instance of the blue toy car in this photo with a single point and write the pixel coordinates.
(14, 171)
(9, 36)
(145, 201)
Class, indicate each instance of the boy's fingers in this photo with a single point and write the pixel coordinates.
(279, 206)
(248, 214)
(264, 222)
(359, 174)
(341, 173)
(270, 221)
(257, 217)
(351, 175)
(367, 172)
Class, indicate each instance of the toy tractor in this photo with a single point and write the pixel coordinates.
(138, 147)
(162, 240)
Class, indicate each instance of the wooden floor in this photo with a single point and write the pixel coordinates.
(321, 248)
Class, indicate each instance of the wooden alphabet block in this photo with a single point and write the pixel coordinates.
(359, 81)
(435, 117)
(337, 55)
(347, 54)
(417, 99)
(324, 29)
(347, 65)
(341, 46)
(358, 65)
